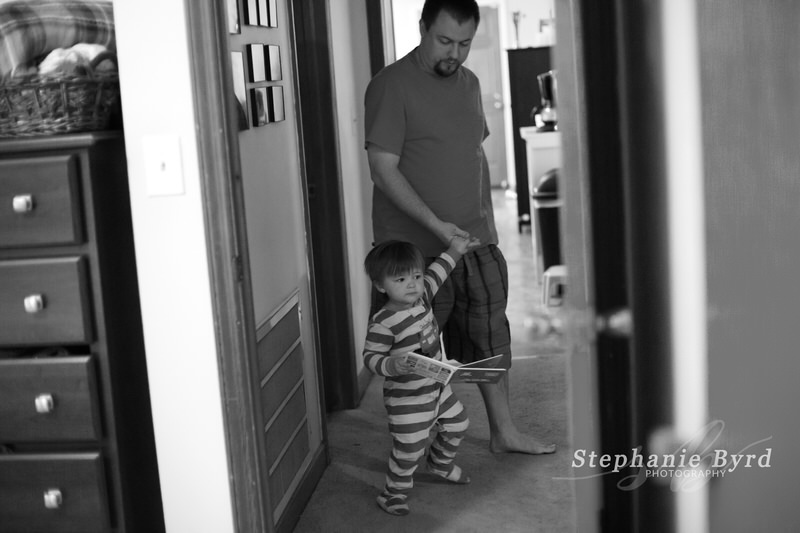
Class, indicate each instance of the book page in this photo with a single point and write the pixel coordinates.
(483, 371)
(430, 368)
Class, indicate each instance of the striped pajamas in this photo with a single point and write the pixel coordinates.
(415, 405)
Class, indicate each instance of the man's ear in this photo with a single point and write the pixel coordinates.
(378, 287)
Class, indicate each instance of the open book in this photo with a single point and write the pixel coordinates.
(483, 371)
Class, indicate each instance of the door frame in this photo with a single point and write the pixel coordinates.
(604, 374)
(661, 122)
(568, 58)
(230, 265)
(322, 188)
(230, 277)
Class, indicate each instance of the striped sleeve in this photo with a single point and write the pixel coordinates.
(437, 272)
(377, 347)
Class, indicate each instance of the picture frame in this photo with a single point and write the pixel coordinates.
(256, 62)
(259, 99)
(239, 89)
(263, 13)
(264, 62)
(251, 12)
(273, 13)
(233, 16)
(272, 57)
(275, 106)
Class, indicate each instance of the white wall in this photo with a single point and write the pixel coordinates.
(532, 13)
(173, 271)
(350, 44)
(405, 18)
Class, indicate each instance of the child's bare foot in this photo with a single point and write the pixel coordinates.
(394, 504)
(516, 442)
(456, 475)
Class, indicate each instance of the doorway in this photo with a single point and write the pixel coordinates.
(358, 453)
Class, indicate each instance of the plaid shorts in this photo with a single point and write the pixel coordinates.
(470, 307)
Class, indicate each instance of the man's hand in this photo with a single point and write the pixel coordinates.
(446, 231)
(396, 365)
(462, 245)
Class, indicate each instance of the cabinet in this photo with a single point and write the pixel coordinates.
(76, 435)
(524, 64)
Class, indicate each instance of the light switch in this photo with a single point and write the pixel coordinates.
(163, 165)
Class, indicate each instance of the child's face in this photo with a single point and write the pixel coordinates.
(403, 290)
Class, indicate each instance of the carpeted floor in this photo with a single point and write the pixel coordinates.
(509, 492)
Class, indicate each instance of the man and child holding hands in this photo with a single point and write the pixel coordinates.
(424, 133)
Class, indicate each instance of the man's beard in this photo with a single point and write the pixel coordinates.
(446, 69)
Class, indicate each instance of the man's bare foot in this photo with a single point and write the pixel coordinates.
(516, 442)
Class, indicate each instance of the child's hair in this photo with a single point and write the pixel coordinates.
(392, 258)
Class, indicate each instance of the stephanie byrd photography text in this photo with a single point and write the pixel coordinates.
(717, 460)
(704, 456)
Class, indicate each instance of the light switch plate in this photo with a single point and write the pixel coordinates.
(163, 165)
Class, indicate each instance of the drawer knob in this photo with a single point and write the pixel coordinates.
(23, 203)
(53, 498)
(34, 303)
(44, 403)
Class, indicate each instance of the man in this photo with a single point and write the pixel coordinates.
(424, 133)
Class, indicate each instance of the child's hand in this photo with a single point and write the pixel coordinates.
(462, 245)
(397, 365)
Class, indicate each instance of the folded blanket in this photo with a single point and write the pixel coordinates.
(30, 29)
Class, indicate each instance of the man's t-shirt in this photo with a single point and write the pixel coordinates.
(436, 125)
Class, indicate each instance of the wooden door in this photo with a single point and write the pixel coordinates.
(485, 60)
(701, 114)
(265, 312)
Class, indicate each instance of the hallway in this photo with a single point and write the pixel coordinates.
(509, 492)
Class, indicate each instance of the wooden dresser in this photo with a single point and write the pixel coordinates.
(76, 433)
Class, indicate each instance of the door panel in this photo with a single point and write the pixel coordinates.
(751, 127)
(278, 230)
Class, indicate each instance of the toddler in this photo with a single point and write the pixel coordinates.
(414, 404)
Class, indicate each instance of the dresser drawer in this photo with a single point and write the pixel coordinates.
(40, 201)
(53, 399)
(62, 493)
(44, 301)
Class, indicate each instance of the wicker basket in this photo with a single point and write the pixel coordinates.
(45, 106)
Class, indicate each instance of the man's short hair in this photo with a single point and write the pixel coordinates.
(461, 10)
